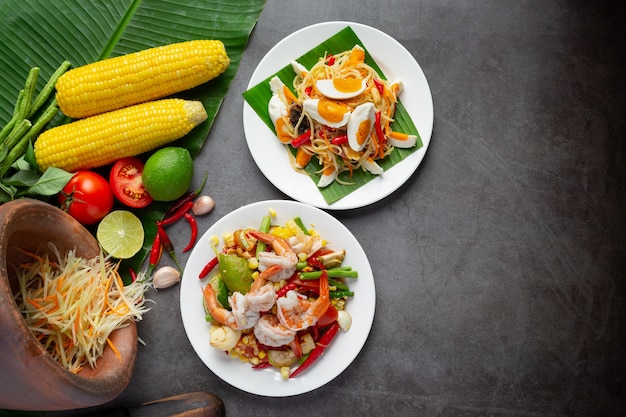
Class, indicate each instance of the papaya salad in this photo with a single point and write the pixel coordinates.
(341, 114)
(276, 296)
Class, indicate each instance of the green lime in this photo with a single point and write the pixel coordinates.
(120, 233)
(167, 173)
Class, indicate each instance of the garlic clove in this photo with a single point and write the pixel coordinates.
(223, 337)
(344, 319)
(203, 205)
(165, 277)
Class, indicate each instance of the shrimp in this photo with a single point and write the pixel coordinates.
(305, 244)
(296, 312)
(269, 331)
(262, 294)
(240, 318)
(282, 256)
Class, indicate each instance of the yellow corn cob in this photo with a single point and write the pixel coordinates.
(142, 76)
(102, 139)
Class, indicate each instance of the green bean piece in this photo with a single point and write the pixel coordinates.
(6, 130)
(47, 90)
(337, 284)
(332, 273)
(266, 222)
(341, 294)
(16, 134)
(29, 91)
(301, 225)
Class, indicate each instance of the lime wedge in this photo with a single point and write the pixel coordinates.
(120, 233)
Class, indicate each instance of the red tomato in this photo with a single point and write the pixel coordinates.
(126, 183)
(328, 318)
(87, 197)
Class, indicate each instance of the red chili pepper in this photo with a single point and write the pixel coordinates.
(168, 246)
(330, 60)
(320, 346)
(379, 86)
(155, 253)
(315, 332)
(284, 290)
(194, 231)
(302, 139)
(133, 274)
(178, 214)
(208, 267)
(262, 365)
(379, 130)
(339, 140)
(315, 262)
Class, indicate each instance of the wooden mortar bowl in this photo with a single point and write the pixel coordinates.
(31, 379)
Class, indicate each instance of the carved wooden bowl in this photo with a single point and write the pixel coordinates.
(31, 379)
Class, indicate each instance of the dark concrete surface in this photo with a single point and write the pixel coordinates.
(499, 265)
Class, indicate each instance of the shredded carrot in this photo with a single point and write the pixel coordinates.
(73, 304)
(114, 349)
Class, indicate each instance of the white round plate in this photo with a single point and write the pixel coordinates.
(396, 63)
(346, 345)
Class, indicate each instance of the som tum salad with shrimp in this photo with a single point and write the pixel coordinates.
(275, 296)
(341, 114)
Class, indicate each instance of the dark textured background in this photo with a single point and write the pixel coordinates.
(500, 265)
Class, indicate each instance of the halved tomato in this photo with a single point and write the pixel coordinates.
(328, 318)
(126, 182)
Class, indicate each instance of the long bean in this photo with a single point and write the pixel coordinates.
(47, 90)
(265, 228)
(332, 273)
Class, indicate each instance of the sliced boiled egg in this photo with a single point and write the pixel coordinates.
(327, 112)
(401, 140)
(360, 125)
(299, 69)
(341, 88)
(328, 176)
(372, 166)
(277, 110)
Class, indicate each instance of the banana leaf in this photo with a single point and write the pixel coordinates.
(44, 33)
(259, 96)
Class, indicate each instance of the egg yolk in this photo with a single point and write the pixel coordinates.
(365, 127)
(347, 85)
(331, 110)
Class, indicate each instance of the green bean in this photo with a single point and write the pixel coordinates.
(341, 294)
(6, 130)
(301, 225)
(332, 273)
(47, 90)
(29, 90)
(265, 228)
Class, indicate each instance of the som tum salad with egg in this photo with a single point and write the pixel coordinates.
(341, 114)
(276, 295)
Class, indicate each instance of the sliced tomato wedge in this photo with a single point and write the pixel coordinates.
(328, 318)
(126, 182)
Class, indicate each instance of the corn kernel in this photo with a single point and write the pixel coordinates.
(255, 361)
(253, 263)
(303, 257)
(262, 354)
(285, 371)
(255, 275)
(272, 212)
(214, 241)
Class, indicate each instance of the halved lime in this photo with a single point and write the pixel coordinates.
(121, 234)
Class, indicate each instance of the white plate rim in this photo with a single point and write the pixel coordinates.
(338, 356)
(271, 156)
